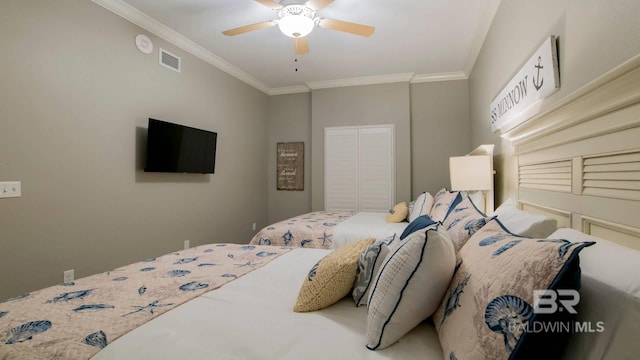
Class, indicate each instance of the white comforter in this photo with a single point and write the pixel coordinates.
(365, 225)
(252, 318)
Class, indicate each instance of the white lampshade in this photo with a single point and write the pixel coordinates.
(296, 25)
(470, 173)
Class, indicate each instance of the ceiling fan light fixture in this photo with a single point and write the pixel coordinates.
(296, 20)
(296, 25)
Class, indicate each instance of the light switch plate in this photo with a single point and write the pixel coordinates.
(9, 189)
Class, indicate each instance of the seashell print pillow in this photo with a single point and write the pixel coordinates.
(488, 311)
(368, 265)
(331, 278)
(463, 220)
(441, 203)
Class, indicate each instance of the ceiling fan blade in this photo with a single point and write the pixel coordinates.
(301, 45)
(272, 4)
(247, 28)
(344, 26)
(318, 4)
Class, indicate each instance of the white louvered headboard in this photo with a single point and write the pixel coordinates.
(579, 161)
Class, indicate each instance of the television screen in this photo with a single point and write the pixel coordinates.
(177, 148)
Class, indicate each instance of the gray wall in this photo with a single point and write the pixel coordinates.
(435, 108)
(361, 105)
(439, 129)
(75, 97)
(594, 37)
(289, 121)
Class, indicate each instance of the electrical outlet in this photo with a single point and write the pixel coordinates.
(186, 244)
(253, 226)
(9, 189)
(68, 276)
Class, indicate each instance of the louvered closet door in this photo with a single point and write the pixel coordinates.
(340, 171)
(359, 168)
(376, 180)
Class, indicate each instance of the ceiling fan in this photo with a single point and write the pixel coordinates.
(297, 18)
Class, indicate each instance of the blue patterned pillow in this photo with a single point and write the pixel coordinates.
(420, 222)
(462, 220)
(442, 201)
(368, 265)
(490, 312)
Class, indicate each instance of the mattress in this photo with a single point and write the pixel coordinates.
(365, 225)
(230, 324)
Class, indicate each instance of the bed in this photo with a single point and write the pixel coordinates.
(332, 229)
(590, 139)
(228, 324)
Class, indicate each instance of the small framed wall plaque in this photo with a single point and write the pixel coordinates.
(290, 171)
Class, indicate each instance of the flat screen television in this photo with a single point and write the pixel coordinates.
(180, 149)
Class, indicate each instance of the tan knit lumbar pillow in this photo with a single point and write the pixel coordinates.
(398, 213)
(331, 278)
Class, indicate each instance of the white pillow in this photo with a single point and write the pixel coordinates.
(422, 206)
(523, 223)
(410, 286)
(609, 296)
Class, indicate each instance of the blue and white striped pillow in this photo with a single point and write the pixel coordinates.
(410, 285)
(422, 206)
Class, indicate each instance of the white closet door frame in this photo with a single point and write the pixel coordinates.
(357, 134)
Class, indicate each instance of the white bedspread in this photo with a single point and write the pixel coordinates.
(364, 225)
(252, 318)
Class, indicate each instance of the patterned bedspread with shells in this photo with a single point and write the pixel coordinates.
(75, 321)
(311, 230)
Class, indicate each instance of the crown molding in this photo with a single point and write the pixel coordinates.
(294, 89)
(357, 81)
(448, 76)
(144, 21)
(135, 16)
(369, 80)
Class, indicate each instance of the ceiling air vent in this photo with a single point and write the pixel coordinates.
(169, 60)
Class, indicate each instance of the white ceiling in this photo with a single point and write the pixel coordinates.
(422, 40)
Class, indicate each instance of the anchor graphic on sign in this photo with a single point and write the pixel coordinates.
(538, 83)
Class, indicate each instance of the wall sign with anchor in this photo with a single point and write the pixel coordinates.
(536, 80)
